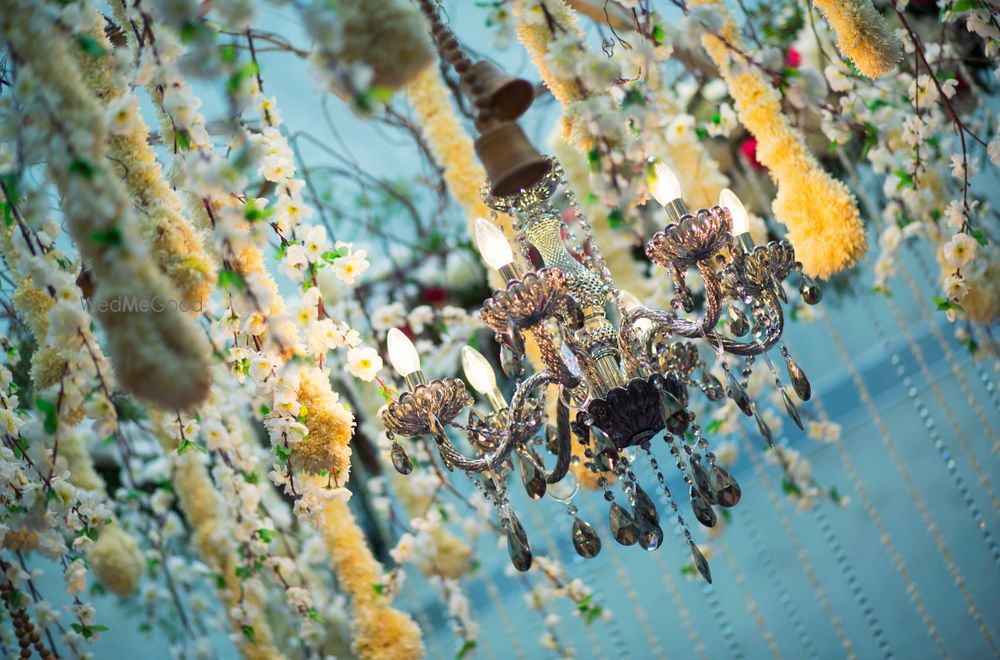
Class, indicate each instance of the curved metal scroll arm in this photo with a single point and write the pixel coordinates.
(510, 438)
(691, 330)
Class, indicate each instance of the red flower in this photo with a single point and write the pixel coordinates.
(792, 58)
(434, 295)
(749, 150)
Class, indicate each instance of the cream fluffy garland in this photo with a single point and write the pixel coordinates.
(160, 356)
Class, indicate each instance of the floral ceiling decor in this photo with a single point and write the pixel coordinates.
(324, 334)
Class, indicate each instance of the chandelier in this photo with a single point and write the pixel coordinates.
(620, 373)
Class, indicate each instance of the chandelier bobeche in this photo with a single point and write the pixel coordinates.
(622, 371)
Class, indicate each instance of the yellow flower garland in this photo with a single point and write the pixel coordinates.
(820, 212)
(380, 632)
(534, 35)
(204, 510)
(863, 36)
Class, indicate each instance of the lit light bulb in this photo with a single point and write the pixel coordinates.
(478, 370)
(402, 353)
(666, 188)
(741, 221)
(493, 245)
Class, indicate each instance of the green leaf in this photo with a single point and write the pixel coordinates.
(227, 53)
(592, 614)
(242, 572)
(963, 5)
(267, 535)
(82, 167)
(282, 452)
(230, 279)
(249, 633)
(594, 159)
(51, 422)
(701, 132)
(8, 217)
(790, 488)
(905, 179)
(253, 214)
(713, 426)
(314, 614)
(615, 218)
(871, 139)
(110, 237)
(183, 138)
(303, 414)
(659, 34)
(945, 305)
(379, 588)
(468, 646)
(89, 45)
(332, 255)
(980, 237)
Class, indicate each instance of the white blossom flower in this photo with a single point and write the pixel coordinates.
(960, 250)
(123, 113)
(363, 363)
(349, 267)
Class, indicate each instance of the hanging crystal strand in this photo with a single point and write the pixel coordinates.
(984, 378)
(512, 636)
(784, 599)
(722, 622)
(753, 608)
(809, 570)
(599, 265)
(669, 498)
(594, 641)
(935, 437)
(970, 452)
(857, 591)
(914, 492)
(861, 490)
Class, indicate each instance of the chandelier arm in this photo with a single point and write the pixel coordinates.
(510, 437)
(713, 296)
(564, 450)
(551, 357)
(693, 330)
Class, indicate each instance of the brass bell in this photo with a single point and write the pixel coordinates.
(512, 163)
(506, 97)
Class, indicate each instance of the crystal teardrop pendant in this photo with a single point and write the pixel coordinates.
(517, 544)
(727, 491)
(675, 415)
(702, 480)
(738, 323)
(585, 540)
(701, 563)
(533, 479)
(765, 430)
(645, 510)
(623, 526)
(512, 366)
(738, 394)
(712, 387)
(810, 291)
(703, 511)
(799, 381)
(400, 460)
(790, 408)
(651, 537)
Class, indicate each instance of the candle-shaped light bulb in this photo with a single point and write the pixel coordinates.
(741, 221)
(493, 245)
(666, 188)
(402, 353)
(479, 373)
(478, 370)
